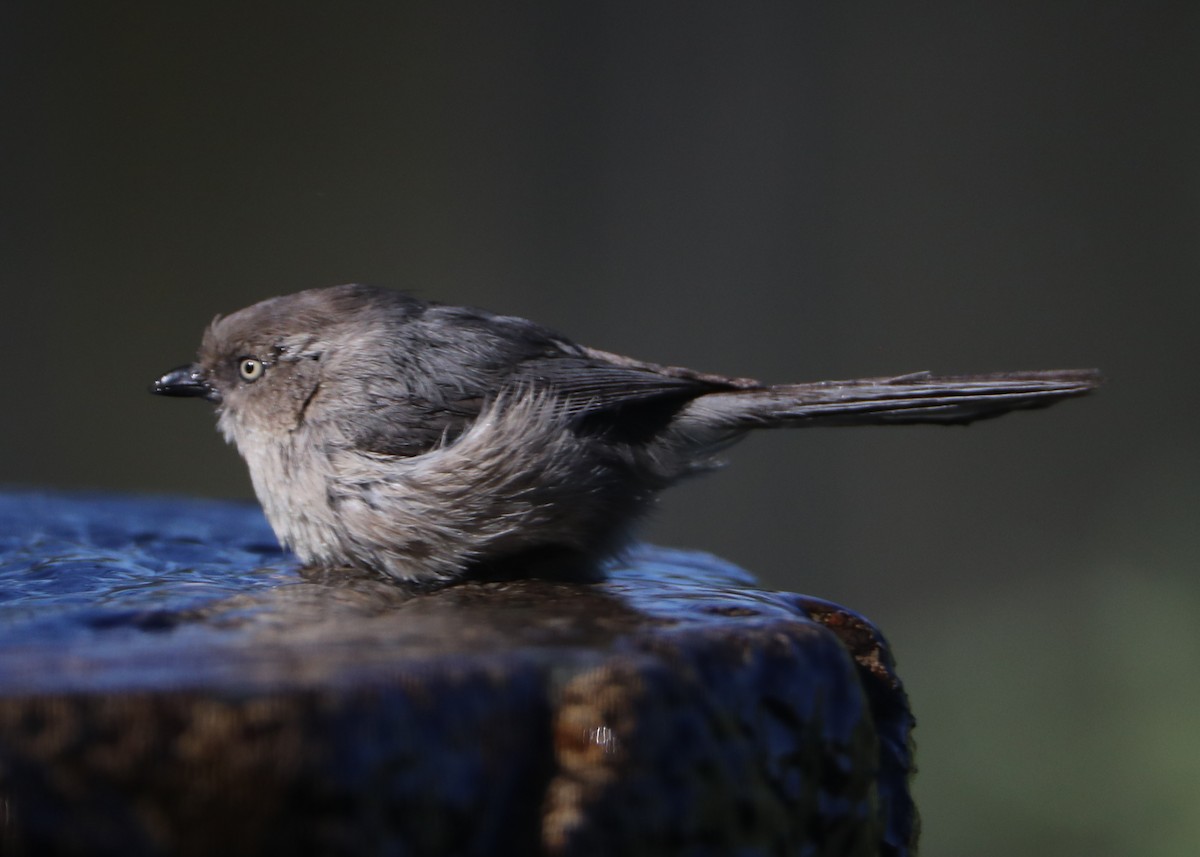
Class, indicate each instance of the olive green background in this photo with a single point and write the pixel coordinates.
(792, 191)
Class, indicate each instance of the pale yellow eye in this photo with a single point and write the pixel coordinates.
(250, 368)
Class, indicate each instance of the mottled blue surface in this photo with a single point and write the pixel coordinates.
(71, 564)
(136, 632)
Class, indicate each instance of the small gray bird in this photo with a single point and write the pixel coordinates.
(430, 442)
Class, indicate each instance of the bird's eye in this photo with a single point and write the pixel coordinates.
(250, 368)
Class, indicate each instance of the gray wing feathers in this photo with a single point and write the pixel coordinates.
(585, 385)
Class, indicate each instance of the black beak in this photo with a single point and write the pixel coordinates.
(185, 381)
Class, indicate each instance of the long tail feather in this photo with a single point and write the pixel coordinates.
(916, 398)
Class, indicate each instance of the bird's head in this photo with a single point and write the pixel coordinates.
(265, 366)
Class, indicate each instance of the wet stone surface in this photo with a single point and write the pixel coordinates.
(172, 683)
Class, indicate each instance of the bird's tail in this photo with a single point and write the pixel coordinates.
(917, 398)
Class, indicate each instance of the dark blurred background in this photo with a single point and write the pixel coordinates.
(793, 191)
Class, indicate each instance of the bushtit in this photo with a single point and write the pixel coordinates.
(430, 442)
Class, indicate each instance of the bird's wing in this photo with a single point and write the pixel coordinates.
(587, 385)
(624, 399)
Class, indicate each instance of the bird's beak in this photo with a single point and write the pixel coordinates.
(185, 381)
